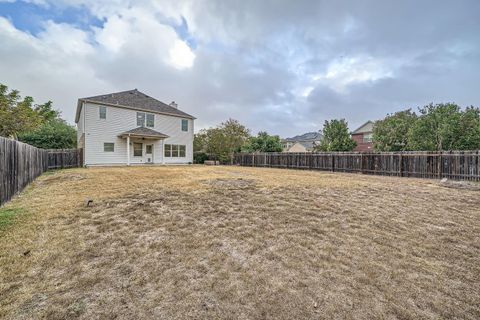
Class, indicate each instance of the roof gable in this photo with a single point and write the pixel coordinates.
(364, 128)
(132, 99)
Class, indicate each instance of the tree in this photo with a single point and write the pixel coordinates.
(16, 115)
(55, 134)
(263, 142)
(221, 142)
(470, 125)
(235, 135)
(38, 125)
(391, 133)
(437, 128)
(336, 137)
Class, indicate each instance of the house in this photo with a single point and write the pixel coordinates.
(132, 128)
(364, 137)
(302, 143)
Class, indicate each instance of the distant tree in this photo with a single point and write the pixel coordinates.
(16, 115)
(437, 128)
(470, 125)
(263, 142)
(221, 142)
(336, 137)
(391, 133)
(46, 112)
(54, 134)
(235, 135)
(38, 125)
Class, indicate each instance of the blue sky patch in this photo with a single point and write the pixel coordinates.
(30, 17)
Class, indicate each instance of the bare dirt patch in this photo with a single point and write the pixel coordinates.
(203, 243)
(238, 183)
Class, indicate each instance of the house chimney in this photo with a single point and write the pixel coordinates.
(173, 104)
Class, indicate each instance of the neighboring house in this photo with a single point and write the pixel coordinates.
(302, 143)
(130, 127)
(364, 137)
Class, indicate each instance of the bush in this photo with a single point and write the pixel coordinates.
(200, 157)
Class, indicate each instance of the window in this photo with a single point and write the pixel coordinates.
(175, 151)
(367, 137)
(140, 119)
(108, 147)
(103, 112)
(184, 125)
(148, 149)
(137, 149)
(168, 150)
(181, 151)
(150, 120)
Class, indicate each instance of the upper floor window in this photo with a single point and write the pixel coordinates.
(150, 120)
(367, 137)
(142, 116)
(141, 119)
(103, 112)
(184, 125)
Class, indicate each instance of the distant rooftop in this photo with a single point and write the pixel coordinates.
(306, 137)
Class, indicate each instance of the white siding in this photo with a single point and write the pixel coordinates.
(119, 120)
(80, 125)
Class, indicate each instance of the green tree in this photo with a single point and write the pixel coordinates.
(221, 142)
(46, 112)
(16, 115)
(54, 134)
(391, 133)
(470, 127)
(437, 128)
(263, 142)
(336, 137)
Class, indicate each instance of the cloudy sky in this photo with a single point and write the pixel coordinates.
(281, 66)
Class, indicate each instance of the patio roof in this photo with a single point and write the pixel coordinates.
(143, 132)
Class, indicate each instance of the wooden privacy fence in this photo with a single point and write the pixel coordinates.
(21, 163)
(457, 165)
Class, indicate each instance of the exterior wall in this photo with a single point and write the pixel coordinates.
(297, 147)
(362, 146)
(80, 125)
(119, 120)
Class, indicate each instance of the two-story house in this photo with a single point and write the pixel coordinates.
(130, 127)
(302, 143)
(364, 137)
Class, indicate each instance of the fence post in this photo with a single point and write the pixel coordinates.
(400, 165)
(439, 165)
(361, 163)
(333, 162)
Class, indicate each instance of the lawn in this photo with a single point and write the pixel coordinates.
(239, 243)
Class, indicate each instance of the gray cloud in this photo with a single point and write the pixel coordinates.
(280, 66)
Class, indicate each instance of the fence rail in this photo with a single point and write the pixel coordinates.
(456, 165)
(21, 163)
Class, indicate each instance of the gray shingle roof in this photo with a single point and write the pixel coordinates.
(134, 99)
(144, 132)
(309, 136)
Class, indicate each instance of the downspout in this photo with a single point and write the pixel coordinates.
(128, 150)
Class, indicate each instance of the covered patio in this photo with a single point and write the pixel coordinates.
(143, 141)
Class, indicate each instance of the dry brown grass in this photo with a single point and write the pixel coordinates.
(240, 243)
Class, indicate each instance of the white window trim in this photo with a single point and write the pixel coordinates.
(181, 125)
(100, 112)
(113, 143)
(133, 147)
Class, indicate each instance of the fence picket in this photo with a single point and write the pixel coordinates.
(455, 165)
(21, 163)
